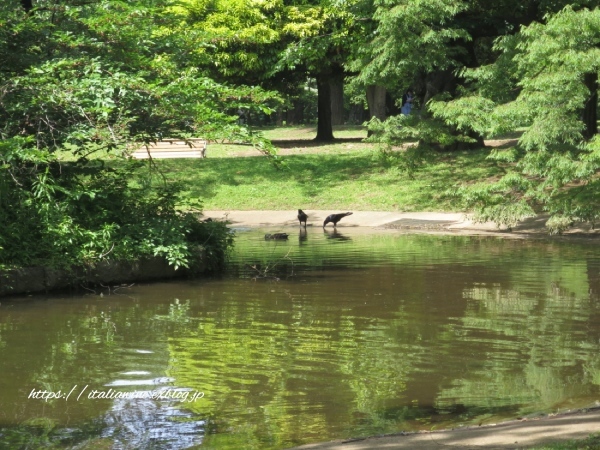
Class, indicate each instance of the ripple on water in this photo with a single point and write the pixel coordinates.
(323, 336)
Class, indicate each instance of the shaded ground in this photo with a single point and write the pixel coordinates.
(293, 143)
(517, 434)
(300, 146)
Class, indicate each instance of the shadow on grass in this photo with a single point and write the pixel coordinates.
(313, 172)
(308, 132)
(291, 143)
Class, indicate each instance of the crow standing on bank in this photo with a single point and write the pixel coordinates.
(302, 217)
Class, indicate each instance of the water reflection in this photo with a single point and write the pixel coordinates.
(317, 337)
(143, 423)
(302, 236)
(335, 234)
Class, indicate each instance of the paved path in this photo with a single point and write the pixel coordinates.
(511, 435)
(431, 222)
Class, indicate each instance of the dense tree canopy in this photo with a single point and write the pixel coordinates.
(484, 71)
(275, 43)
(78, 78)
(553, 68)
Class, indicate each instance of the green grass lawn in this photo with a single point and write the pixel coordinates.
(345, 174)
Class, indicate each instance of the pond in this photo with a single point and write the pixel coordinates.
(323, 336)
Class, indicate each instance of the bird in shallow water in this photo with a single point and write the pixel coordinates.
(335, 218)
(276, 236)
(302, 217)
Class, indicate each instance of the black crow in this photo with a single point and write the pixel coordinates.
(302, 217)
(335, 218)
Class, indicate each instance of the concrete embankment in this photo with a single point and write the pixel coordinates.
(423, 222)
(32, 280)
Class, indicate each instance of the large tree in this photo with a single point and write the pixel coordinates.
(82, 79)
(331, 30)
(412, 45)
(482, 70)
(279, 44)
(553, 69)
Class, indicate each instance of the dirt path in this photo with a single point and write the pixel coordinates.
(517, 434)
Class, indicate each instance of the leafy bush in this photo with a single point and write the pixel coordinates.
(91, 82)
(65, 214)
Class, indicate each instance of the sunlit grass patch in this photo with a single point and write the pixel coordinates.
(357, 180)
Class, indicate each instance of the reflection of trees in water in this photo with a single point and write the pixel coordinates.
(384, 334)
(151, 424)
(137, 423)
(593, 273)
(531, 335)
(472, 328)
(273, 265)
(92, 341)
(269, 270)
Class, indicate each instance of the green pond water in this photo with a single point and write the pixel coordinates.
(324, 336)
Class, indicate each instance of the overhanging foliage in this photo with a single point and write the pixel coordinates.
(539, 79)
(82, 84)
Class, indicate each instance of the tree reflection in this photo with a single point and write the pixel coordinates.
(383, 334)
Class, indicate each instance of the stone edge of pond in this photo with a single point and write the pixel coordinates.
(422, 222)
(537, 429)
(35, 280)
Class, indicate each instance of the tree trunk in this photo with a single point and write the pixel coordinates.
(290, 116)
(590, 109)
(376, 101)
(299, 111)
(391, 108)
(357, 114)
(436, 82)
(445, 81)
(324, 128)
(337, 100)
(279, 117)
(479, 142)
(27, 5)
(295, 114)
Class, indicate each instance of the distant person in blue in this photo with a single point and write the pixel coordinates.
(407, 100)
